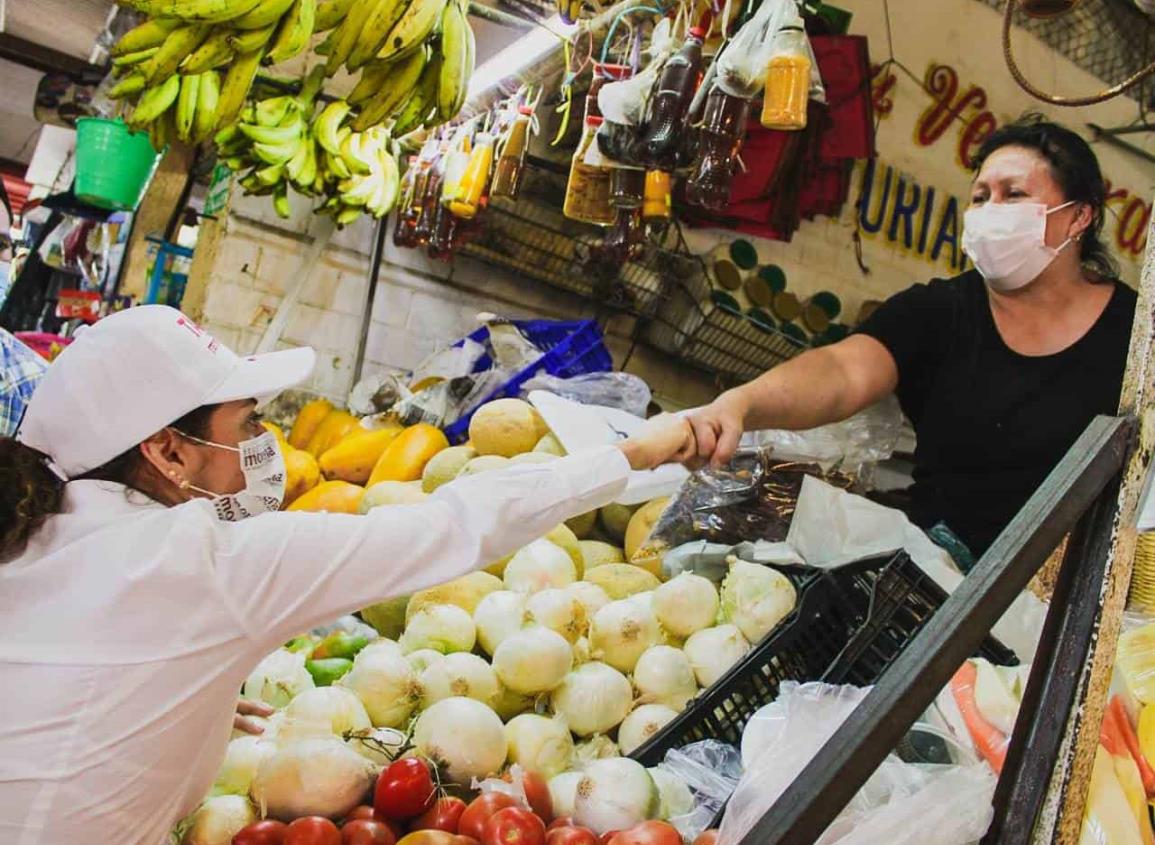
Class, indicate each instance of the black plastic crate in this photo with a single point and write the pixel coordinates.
(849, 626)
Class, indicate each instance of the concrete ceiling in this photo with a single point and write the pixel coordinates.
(69, 26)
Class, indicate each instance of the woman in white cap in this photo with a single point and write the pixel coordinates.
(135, 598)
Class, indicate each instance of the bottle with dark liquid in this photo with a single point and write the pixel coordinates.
(719, 140)
(510, 167)
(665, 120)
(406, 223)
(430, 201)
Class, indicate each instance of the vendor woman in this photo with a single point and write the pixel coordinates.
(1000, 369)
(135, 599)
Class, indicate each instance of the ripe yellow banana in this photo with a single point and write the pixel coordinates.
(412, 30)
(386, 14)
(208, 100)
(236, 85)
(295, 30)
(186, 106)
(195, 11)
(344, 38)
(213, 52)
(179, 44)
(248, 40)
(423, 100)
(393, 93)
(457, 49)
(155, 101)
(266, 13)
(151, 33)
(330, 13)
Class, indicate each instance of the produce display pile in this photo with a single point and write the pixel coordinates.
(189, 71)
(546, 668)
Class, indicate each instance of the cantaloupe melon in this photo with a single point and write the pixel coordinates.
(484, 463)
(506, 427)
(615, 520)
(386, 493)
(445, 466)
(550, 445)
(596, 553)
(642, 523)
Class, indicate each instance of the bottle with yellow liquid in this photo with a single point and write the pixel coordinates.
(787, 81)
(475, 179)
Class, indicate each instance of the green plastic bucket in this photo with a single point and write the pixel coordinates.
(113, 163)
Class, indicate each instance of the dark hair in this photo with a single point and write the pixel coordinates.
(1076, 169)
(30, 492)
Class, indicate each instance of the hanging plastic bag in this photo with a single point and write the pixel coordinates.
(613, 390)
(711, 769)
(742, 63)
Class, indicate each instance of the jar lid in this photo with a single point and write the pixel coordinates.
(525, 110)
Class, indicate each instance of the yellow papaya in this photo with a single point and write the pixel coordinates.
(301, 473)
(405, 458)
(353, 458)
(331, 431)
(276, 431)
(331, 497)
(310, 417)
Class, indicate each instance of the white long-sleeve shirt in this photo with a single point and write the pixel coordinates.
(127, 628)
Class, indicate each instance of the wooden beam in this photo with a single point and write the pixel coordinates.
(1061, 819)
(47, 60)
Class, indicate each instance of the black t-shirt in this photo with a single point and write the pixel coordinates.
(991, 423)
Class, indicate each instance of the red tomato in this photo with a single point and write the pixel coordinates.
(267, 832)
(405, 789)
(473, 820)
(312, 830)
(537, 793)
(445, 815)
(514, 826)
(707, 837)
(367, 832)
(363, 812)
(436, 837)
(649, 833)
(561, 821)
(570, 835)
(608, 836)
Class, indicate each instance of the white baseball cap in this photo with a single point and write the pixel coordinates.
(135, 372)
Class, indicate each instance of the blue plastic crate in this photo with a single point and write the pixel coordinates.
(571, 349)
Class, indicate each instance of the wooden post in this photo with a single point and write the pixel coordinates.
(1061, 819)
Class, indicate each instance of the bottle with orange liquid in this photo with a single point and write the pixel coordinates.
(475, 179)
(510, 168)
(787, 81)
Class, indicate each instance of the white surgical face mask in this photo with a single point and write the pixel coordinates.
(263, 466)
(1007, 242)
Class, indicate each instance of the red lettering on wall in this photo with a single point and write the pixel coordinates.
(973, 135)
(882, 84)
(1131, 234)
(942, 84)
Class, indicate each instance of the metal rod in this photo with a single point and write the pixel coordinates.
(370, 295)
(499, 17)
(806, 808)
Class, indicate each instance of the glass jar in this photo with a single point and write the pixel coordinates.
(787, 81)
(587, 194)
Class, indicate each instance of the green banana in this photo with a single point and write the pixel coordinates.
(199, 11)
(374, 76)
(273, 136)
(155, 101)
(330, 13)
(281, 201)
(336, 165)
(129, 59)
(265, 13)
(248, 40)
(208, 100)
(413, 28)
(392, 96)
(294, 33)
(236, 85)
(149, 34)
(353, 154)
(270, 175)
(423, 100)
(278, 155)
(129, 86)
(186, 106)
(295, 166)
(213, 52)
(273, 111)
(161, 132)
(385, 15)
(327, 126)
(344, 38)
(457, 50)
(178, 46)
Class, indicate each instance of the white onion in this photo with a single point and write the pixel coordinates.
(383, 644)
(243, 757)
(597, 747)
(423, 658)
(334, 706)
(592, 597)
(465, 736)
(642, 724)
(558, 610)
(442, 627)
(278, 677)
(218, 820)
(386, 684)
(563, 792)
(582, 653)
(510, 703)
(538, 566)
(615, 794)
(593, 699)
(714, 650)
(756, 598)
(674, 797)
(663, 675)
(532, 661)
(686, 604)
(621, 631)
(497, 616)
(539, 744)
(312, 773)
(460, 674)
(380, 746)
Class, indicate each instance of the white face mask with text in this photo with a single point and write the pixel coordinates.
(1007, 242)
(263, 466)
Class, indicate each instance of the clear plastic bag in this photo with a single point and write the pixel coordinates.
(448, 401)
(614, 390)
(711, 769)
(512, 350)
(742, 64)
(895, 806)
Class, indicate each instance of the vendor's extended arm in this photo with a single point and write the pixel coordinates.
(820, 386)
